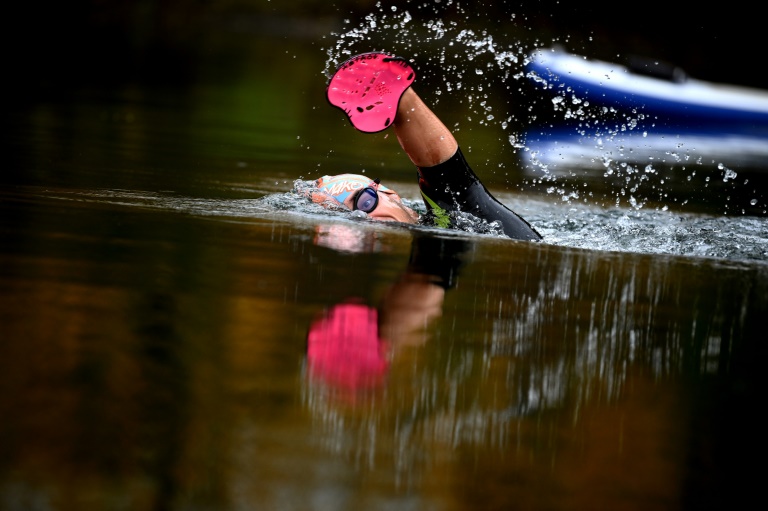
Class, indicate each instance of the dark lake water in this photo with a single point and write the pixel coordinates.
(159, 283)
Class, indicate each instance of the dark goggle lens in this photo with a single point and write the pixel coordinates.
(367, 200)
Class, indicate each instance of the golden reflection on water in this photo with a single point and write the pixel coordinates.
(164, 366)
(575, 384)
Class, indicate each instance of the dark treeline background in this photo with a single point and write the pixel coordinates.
(50, 44)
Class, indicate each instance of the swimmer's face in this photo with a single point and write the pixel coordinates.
(346, 189)
(390, 208)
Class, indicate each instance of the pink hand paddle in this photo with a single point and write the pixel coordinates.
(368, 88)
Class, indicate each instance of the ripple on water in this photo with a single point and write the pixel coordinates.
(644, 231)
(739, 238)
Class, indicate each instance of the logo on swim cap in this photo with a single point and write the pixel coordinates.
(340, 187)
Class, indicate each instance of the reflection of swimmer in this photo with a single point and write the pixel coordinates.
(350, 345)
(344, 238)
(374, 91)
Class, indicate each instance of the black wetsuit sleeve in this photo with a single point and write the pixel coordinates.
(439, 258)
(453, 186)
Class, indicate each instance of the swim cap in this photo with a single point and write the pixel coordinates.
(341, 186)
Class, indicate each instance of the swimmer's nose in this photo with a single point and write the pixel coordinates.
(393, 210)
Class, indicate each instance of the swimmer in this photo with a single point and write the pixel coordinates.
(374, 91)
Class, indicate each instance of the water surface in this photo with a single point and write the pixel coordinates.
(160, 281)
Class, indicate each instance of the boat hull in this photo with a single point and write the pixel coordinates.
(670, 102)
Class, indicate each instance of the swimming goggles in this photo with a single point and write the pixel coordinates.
(367, 198)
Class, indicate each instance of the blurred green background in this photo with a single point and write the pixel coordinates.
(165, 41)
(209, 87)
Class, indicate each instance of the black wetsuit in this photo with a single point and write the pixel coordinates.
(452, 185)
(438, 258)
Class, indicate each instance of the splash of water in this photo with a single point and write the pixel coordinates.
(466, 64)
(459, 58)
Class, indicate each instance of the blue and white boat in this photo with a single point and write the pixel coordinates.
(567, 152)
(663, 94)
